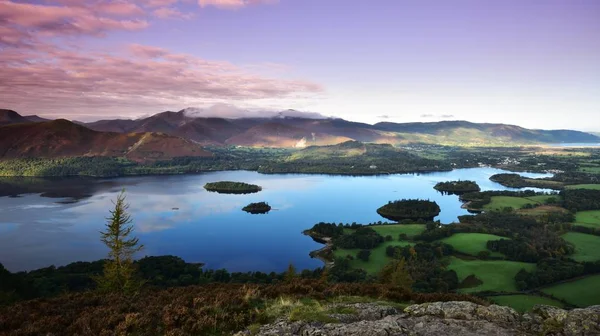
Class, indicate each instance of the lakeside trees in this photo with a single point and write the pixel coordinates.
(457, 187)
(230, 187)
(413, 209)
(257, 208)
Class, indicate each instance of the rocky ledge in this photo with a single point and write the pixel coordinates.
(442, 318)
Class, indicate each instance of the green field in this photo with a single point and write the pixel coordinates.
(500, 202)
(583, 292)
(589, 219)
(587, 247)
(377, 260)
(584, 186)
(497, 275)
(590, 169)
(542, 198)
(395, 230)
(472, 243)
(523, 303)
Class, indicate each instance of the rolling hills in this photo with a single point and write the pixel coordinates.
(62, 138)
(295, 131)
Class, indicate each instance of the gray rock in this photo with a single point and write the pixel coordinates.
(444, 319)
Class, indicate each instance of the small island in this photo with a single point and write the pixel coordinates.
(229, 187)
(457, 187)
(412, 209)
(257, 208)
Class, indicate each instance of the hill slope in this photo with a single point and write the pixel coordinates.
(62, 138)
(464, 131)
(287, 131)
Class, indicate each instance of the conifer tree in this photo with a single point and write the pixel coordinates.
(119, 271)
(290, 274)
(395, 273)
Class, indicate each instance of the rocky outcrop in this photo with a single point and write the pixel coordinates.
(442, 318)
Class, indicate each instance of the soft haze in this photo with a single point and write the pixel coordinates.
(533, 63)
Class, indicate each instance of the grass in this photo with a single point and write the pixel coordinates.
(543, 198)
(377, 260)
(395, 230)
(587, 247)
(589, 219)
(497, 275)
(583, 292)
(500, 202)
(472, 243)
(590, 169)
(524, 303)
(584, 186)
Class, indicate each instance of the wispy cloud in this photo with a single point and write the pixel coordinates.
(437, 116)
(234, 4)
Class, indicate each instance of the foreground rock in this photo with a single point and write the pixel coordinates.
(443, 318)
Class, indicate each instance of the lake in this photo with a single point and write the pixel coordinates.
(47, 222)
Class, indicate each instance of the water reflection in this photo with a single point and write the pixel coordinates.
(56, 221)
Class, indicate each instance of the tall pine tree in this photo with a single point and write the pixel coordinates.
(119, 272)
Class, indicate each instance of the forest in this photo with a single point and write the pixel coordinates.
(409, 209)
(230, 187)
(457, 187)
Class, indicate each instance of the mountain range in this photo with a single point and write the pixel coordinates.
(62, 138)
(187, 132)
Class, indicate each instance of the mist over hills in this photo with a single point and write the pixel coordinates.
(292, 128)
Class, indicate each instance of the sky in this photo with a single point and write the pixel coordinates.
(534, 63)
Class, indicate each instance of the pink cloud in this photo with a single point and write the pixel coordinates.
(171, 13)
(119, 8)
(234, 4)
(145, 79)
(147, 51)
(68, 20)
(159, 3)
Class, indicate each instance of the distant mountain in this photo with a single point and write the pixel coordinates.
(35, 118)
(62, 138)
(287, 129)
(468, 132)
(276, 134)
(11, 117)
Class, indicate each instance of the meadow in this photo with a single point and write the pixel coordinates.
(587, 247)
(500, 202)
(584, 186)
(497, 275)
(589, 219)
(583, 292)
(524, 303)
(472, 243)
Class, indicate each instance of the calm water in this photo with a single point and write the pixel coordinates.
(57, 221)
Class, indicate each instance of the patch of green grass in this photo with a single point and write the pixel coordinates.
(543, 198)
(377, 260)
(583, 292)
(497, 275)
(584, 186)
(587, 247)
(363, 299)
(395, 230)
(498, 203)
(590, 169)
(524, 303)
(472, 243)
(589, 219)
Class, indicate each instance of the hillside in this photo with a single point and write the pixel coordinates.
(274, 134)
(291, 132)
(11, 117)
(62, 138)
(467, 132)
(353, 158)
(288, 131)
